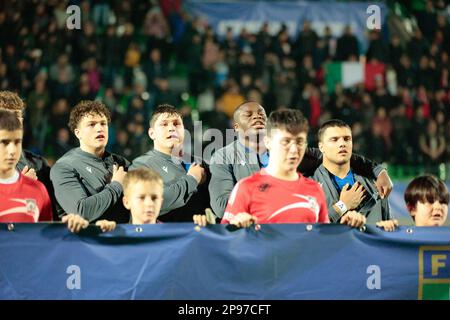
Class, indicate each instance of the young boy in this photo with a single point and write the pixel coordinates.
(22, 199)
(143, 195)
(427, 199)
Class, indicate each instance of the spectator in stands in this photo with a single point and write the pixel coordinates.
(23, 199)
(347, 47)
(88, 179)
(278, 193)
(248, 155)
(185, 178)
(427, 199)
(351, 198)
(432, 145)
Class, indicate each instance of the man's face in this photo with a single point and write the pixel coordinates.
(286, 149)
(337, 145)
(10, 150)
(251, 119)
(428, 214)
(144, 200)
(167, 132)
(92, 131)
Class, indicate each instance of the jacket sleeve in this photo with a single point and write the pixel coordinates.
(220, 186)
(359, 164)
(385, 213)
(177, 194)
(73, 197)
(333, 214)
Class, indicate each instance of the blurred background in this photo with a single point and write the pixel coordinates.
(391, 84)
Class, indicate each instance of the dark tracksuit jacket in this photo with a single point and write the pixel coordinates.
(183, 197)
(42, 168)
(235, 162)
(82, 183)
(373, 207)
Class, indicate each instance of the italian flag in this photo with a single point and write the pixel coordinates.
(346, 73)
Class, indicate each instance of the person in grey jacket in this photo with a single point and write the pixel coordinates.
(185, 182)
(88, 180)
(248, 155)
(351, 198)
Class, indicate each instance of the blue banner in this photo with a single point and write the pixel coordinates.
(176, 261)
(252, 14)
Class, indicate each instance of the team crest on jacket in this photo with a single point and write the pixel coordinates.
(313, 203)
(31, 205)
(263, 187)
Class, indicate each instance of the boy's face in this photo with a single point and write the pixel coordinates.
(10, 150)
(92, 131)
(286, 149)
(167, 132)
(337, 145)
(144, 200)
(430, 214)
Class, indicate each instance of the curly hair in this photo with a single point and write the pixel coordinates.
(11, 101)
(84, 108)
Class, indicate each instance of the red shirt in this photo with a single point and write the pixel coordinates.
(26, 200)
(272, 200)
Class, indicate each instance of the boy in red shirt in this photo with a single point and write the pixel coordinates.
(22, 199)
(278, 193)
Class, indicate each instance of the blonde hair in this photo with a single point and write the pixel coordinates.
(140, 174)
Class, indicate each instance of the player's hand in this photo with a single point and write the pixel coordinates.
(352, 197)
(29, 172)
(200, 220)
(388, 225)
(118, 174)
(243, 220)
(198, 172)
(384, 184)
(75, 222)
(353, 219)
(106, 225)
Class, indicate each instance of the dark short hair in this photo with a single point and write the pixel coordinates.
(290, 120)
(329, 124)
(140, 174)
(239, 107)
(426, 188)
(84, 108)
(161, 109)
(9, 121)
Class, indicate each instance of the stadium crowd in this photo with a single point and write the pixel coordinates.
(134, 55)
